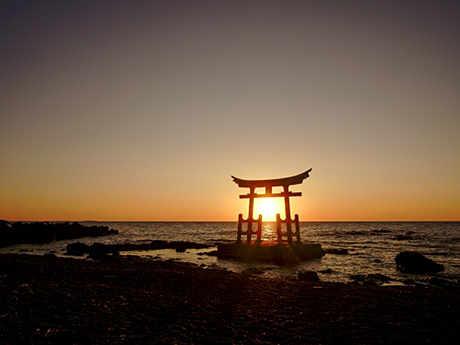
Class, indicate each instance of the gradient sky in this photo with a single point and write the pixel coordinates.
(141, 110)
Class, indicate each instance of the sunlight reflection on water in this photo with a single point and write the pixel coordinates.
(372, 246)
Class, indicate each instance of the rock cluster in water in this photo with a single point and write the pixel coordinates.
(370, 279)
(337, 251)
(415, 262)
(99, 250)
(308, 276)
(44, 232)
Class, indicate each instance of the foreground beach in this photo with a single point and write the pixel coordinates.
(124, 300)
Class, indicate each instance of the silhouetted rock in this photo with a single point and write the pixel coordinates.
(99, 250)
(44, 232)
(99, 247)
(354, 233)
(381, 231)
(211, 253)
(403, 237)
(5, 233)
(415, 262)
(97, 255)
(435, 282)
(77, 249)
(252, 270)
(336, 251)
(308, 276)
(370, 279)
(181, 249)
(4, 224)
(442, 283)
(179, 246)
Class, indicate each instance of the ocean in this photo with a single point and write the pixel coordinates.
(372, 246)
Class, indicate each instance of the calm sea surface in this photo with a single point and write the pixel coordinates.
(372, 246)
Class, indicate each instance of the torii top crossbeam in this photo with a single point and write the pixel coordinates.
(286, 181)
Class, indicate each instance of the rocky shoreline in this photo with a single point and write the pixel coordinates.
(126, 300)
(44, 232)
(100, 250)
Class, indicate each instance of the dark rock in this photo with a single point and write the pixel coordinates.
(442, 283)
(77, 249)
(99, 247)
(409, 282)
(211, 253)
(179, 246)
(337, 251)
(97, 255)
(416, 282)
(181, 249)
(354, 233)
(326, 271)
(158, 243)
(44, 232)
(186, 245)
(370, 279)
(5, 233)
(376, 279)
(415, 262)
(381, 231)
(403, 237)
(252, 270)
(308, 276)
(357, 277)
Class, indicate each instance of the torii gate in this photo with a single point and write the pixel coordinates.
(286, 194)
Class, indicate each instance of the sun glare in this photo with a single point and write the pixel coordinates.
(268, 208)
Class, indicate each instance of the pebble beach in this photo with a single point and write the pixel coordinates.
(129, 300)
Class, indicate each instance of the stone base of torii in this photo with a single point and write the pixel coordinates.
(270, 251)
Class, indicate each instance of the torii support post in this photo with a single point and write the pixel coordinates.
(286, 194)
(279, 231)
(249, 232)
(250, 215)
(297, 228)
(287, 210)
(259, 230)
(240, 228)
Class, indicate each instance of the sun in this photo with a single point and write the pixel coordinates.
(268, 208)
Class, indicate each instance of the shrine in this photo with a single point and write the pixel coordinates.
(288, 246)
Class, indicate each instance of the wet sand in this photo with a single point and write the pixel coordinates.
(125, 300)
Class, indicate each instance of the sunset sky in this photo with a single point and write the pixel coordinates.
(141, 110)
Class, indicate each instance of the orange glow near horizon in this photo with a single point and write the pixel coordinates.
(268, 208)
